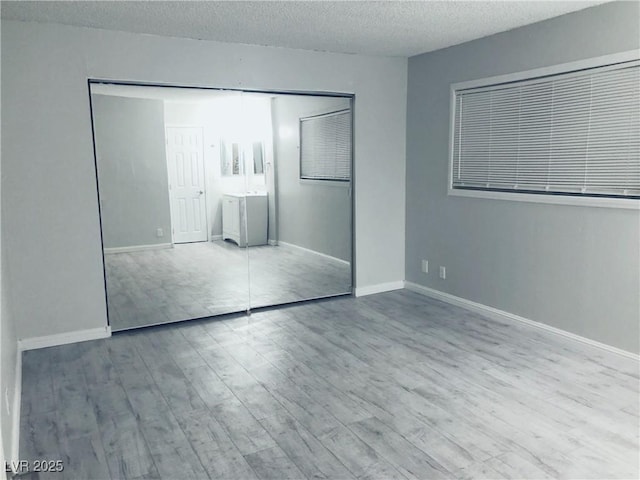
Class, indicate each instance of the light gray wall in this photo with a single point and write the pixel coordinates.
(312, 214)
(54, 234)
(575, 268)
(132, 170)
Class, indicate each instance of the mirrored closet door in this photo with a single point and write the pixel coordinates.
(306, 249)
(214, 201)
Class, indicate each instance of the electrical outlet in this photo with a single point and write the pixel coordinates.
(6, 400)
(425, 266)
(443, 273)
(160, 233)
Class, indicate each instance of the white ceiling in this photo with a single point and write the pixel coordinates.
(390, 28)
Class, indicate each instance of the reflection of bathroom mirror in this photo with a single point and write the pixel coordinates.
(203, 211)
(233, 155)
(231, 159)
(258, 158)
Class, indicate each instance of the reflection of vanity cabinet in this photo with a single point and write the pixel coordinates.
(233, 218)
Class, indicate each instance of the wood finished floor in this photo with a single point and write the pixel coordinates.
(388, 386)
(195, 280)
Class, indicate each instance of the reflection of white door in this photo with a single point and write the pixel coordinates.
(185, 160)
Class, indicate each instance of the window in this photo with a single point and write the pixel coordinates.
(574, 132)
(325, 146)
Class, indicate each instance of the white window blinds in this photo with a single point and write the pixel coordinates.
(325, 146)
(573, 133)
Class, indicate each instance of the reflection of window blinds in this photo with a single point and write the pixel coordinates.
(575, 133)
(325, 146)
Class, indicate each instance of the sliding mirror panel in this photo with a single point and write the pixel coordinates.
(299, 204)
(167, 160)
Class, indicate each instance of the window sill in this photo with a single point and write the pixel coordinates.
(624, 203)
(325, 183)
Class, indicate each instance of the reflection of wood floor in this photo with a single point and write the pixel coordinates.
(201, 279)
(388, 386)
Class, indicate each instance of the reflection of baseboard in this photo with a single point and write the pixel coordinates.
(287, 244)
(510, 318)
(215, 238)
(138, 248)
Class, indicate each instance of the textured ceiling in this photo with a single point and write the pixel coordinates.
(391, 28)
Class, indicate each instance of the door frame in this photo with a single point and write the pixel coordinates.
(205, 178)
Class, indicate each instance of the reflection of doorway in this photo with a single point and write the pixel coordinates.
(185, 161)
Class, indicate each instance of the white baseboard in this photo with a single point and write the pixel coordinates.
(298, 247)
(215, 238)
(15, 412)
(379, 288)
(510, 317)
(63, 338)
(272, 242)
(137, 248)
